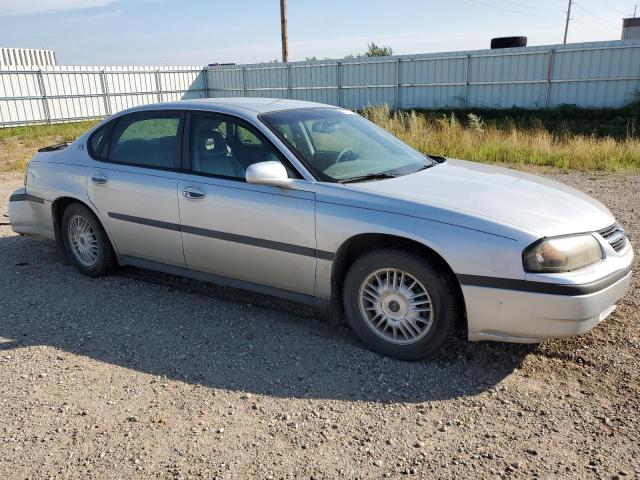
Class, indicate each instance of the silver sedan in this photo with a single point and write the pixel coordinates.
(317, 204)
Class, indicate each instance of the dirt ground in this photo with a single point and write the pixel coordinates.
(140, 375)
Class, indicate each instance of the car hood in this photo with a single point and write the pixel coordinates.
(508, 197)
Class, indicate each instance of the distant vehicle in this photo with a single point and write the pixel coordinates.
(316, 204)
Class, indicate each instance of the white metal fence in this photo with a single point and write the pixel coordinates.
(68, 93)
(602, 74)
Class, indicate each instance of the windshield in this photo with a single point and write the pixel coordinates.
(339, 145)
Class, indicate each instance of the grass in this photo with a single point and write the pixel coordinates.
(19, 144)
(565, 119)
(507, 142)
(565, 138)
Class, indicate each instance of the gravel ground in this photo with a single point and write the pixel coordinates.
(141, 375)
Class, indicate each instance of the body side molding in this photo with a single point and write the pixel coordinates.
(228, 237)
(543, 287)
(25, 197)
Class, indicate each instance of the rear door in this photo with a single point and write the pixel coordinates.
(256, 233)
(134, 181)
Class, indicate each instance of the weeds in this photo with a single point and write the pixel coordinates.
(482, 141)
(506, 140)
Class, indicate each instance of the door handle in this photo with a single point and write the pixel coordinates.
(99, 178)
(193, 193)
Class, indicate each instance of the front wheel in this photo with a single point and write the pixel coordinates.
(399, 304)
(86, 241)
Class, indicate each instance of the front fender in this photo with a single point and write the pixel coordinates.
(466, 251)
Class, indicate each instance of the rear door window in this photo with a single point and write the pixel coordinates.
(148, 139)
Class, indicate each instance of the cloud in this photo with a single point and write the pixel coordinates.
(25, 7)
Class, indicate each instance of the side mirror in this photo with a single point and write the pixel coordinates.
(268, 173)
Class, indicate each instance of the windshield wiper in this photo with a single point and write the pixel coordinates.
(369, 176)
(424, 167)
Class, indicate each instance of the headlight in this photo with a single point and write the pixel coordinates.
(562, 254)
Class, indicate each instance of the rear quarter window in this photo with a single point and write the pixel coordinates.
(97, 140)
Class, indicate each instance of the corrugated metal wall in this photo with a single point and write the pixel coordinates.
(67, 93)
(600, 74)
(26, 57)
(631, 28)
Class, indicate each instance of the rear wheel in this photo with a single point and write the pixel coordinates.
(86, 241)
(399, 304)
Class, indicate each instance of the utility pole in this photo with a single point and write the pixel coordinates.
(283, 29)
(566, 26)
(635, 10)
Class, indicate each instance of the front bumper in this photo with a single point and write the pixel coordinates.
(513, 314)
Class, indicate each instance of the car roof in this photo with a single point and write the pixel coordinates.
(257, 105)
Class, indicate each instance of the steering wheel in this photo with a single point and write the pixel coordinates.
(343, 153)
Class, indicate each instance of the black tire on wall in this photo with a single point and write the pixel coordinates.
(508, 42)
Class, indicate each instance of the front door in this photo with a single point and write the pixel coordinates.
(134, 186)
(255, 233)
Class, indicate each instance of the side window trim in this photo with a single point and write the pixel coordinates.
(105, 148)
(186, 147)
(184, 150)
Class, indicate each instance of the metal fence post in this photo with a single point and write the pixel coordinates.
(105, 92)
(398, 85)
(339, 82)
(244, 81)
(206, 82)
(288, 80)
(45, 100)
(158, 85)
(547, 93)
(467, 68)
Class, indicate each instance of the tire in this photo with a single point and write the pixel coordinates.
(431, 330)
(93, 241)
(508, 42)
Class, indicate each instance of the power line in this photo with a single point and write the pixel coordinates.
(498, 7)
(598, 17)
(590, 26)
(524, 5)
(607, 4)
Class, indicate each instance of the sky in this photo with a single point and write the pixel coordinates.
(197, 32)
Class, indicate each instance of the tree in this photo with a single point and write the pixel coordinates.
(315, 59)
(373, 50)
